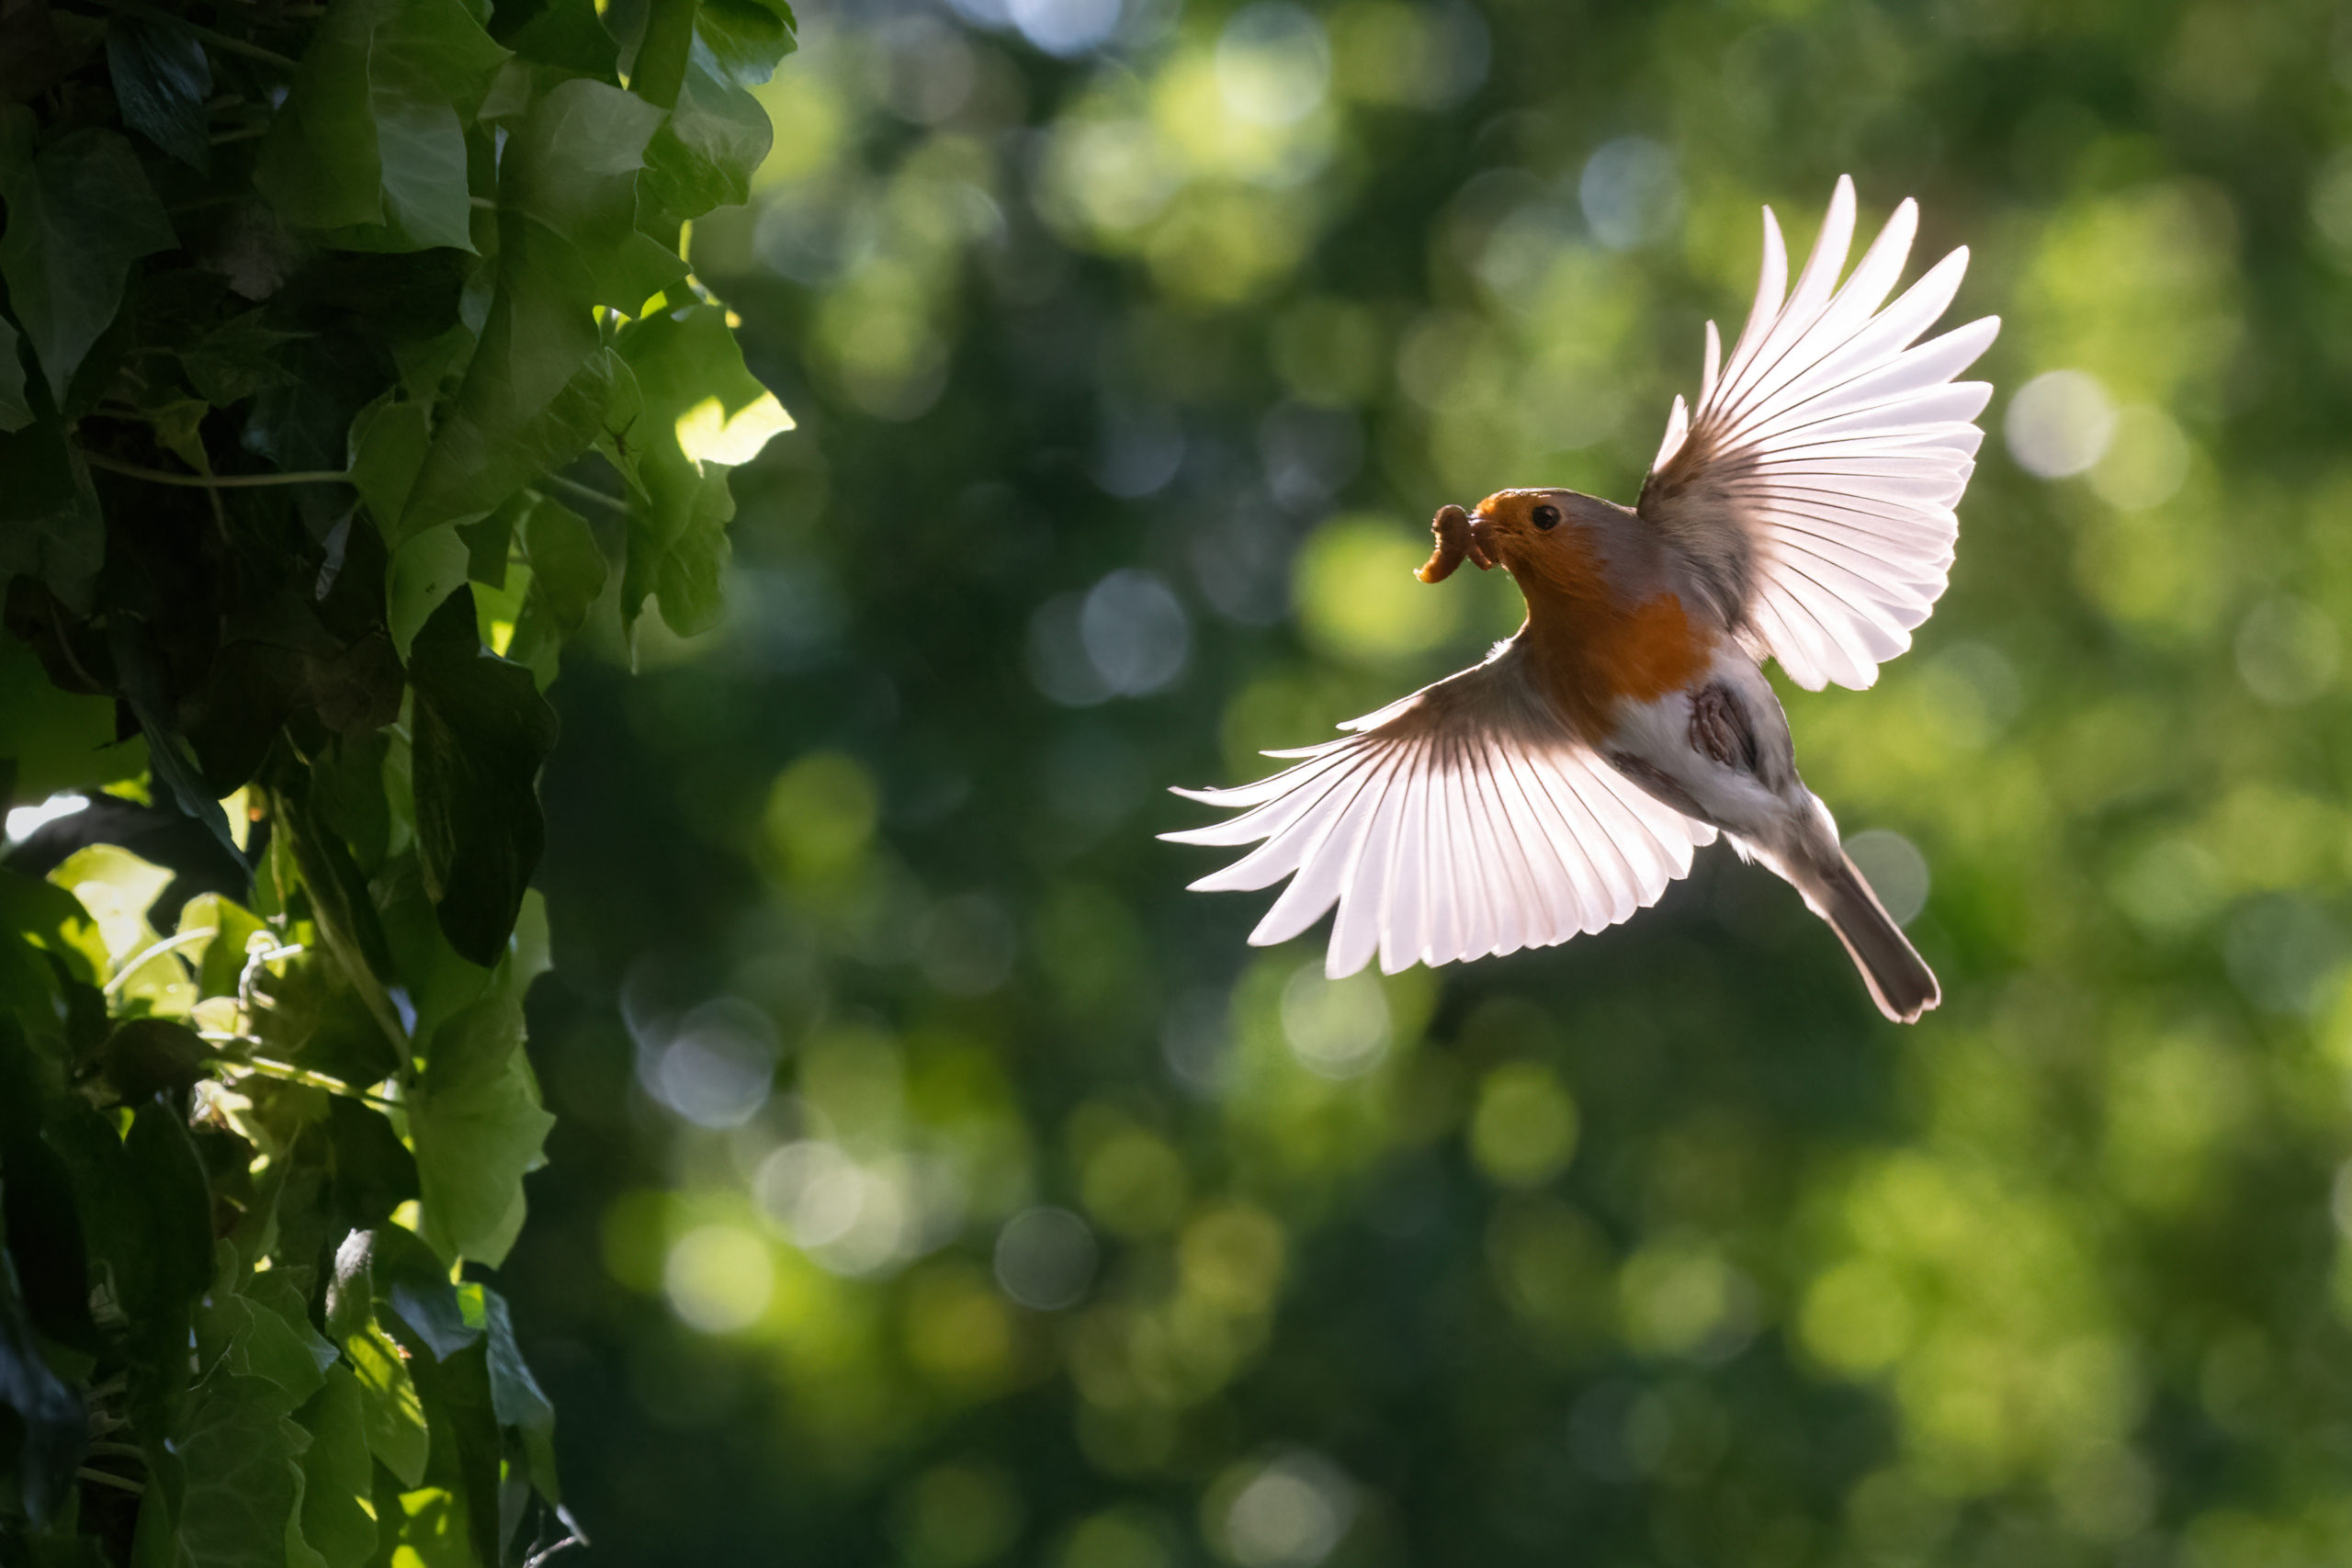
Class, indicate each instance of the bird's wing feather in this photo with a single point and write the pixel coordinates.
(1464, 820)
(1812, 491)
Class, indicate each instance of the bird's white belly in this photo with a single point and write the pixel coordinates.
(1659, 735)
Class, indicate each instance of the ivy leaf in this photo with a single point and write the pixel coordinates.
(568, 241)
(704, 413)
(241, 1503)
(338, 1477)
(391, 1414)
(79, 213)
(410, 1282)
(746, 37)
(477, 1126)
(568, 574)
(466, 1450)
(520, 1403)
(161, 81)
(139, 668)
(703, 154)
(425, 571)
(37, 1210)
(51, 528)
(566, 33)
(258, 1328)
(482, 731)
(15, 411)
(392, 1279)
(51, 1424)
(144, 1055)
(236, 360)
(372, 1171)
(369, 144)
(58, 740)
(717, 134)
(219, 958)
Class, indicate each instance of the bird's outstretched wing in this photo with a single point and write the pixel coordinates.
(1812, 492)
(1466, 820)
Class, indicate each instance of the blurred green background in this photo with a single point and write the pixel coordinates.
(938, 1184)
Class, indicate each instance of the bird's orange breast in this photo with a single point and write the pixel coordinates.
(1596, 649)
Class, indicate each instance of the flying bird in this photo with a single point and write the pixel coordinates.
(1802, 513)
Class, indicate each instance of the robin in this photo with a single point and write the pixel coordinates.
(1804, 513)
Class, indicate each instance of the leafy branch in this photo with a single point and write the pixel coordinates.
(307, 309)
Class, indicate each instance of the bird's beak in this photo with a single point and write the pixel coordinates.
(1481, 546)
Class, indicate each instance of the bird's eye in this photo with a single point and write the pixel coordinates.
(1547, 516)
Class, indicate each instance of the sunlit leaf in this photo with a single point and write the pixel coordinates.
(479, 1127)
(536, 388)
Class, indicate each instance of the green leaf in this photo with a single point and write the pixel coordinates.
(482, 730)
(391, 1413)
(430, 1525)
(116, 888)
(49, 1425)
(79, 213)
(568, 574)
(139, 667)
(38, 1214)
(478, 1127)
(240, 1506)
(522, 1405)
(15, 411)
(236, 360)
(338, 1515)
(161, 81)
(704, 155)
(258, 1328)
(51, 528)
(566, 33)
(372, 1171)
(370, 142)
(704, 413)
(537, 386)
(745, 39)
(144, 1056)
(467, 1453)
(58, 740)
(40, 958)
(179, 1200)
(338, 892)
(219, 959)
(427, 1314)
(425, 571)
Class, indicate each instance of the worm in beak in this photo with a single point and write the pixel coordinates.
(1457, 538)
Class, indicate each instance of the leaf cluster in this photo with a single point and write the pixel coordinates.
(350, 363)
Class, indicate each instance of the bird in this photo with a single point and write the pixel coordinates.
(1803, 512)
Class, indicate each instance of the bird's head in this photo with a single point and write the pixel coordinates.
(1554, 536)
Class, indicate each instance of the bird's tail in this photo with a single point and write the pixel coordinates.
(1900, 981)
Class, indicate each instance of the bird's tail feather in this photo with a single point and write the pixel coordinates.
(1900, 981)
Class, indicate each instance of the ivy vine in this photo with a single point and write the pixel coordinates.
(350, 363)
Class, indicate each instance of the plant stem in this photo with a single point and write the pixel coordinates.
(214, 482)
(140, 960)
(287, 1072)
(103, 1479)
(584, 492)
